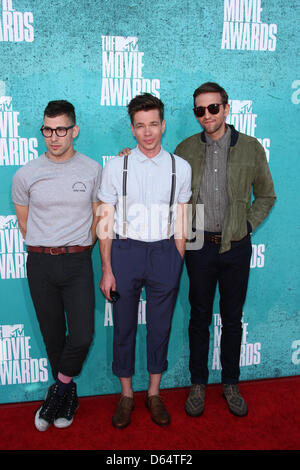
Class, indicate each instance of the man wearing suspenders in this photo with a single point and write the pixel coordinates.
(141, 198)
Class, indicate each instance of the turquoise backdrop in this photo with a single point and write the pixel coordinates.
(98, 54)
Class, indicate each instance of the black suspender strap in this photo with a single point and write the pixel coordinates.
(124, 194)
(172, 194)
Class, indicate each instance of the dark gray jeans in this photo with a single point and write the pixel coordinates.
(62, 291)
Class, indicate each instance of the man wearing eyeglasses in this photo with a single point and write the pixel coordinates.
(55, 198)
(227, 166)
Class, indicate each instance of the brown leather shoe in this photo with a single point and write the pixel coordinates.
(157, 409)
(122, 415)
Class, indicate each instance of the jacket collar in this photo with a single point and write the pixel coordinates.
(233, 139)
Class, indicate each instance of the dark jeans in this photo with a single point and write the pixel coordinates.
(206, 268)
(62, 291)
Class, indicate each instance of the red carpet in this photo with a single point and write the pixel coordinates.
(273, 423)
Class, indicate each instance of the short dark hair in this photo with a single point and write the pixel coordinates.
(58, 107)
(211, 87)
(145, 102)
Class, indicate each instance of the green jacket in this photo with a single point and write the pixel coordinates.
(247, 169)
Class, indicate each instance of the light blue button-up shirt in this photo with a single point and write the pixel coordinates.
(149, 182)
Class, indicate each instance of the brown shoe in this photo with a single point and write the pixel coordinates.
(122, 415)
(157, 409)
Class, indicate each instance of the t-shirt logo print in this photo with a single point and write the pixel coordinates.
(79, 187)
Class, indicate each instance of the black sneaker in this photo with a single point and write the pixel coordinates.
(65, 414)
(45, 415)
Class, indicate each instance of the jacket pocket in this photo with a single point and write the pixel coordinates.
(239, 220)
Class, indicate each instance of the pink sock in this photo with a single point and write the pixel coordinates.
(64, 378)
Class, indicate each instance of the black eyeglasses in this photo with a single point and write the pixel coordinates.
(212, 109)
(59, 131)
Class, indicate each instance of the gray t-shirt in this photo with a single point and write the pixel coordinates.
(60, 197)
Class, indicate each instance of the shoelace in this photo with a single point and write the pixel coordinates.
(70, 404)
(51, 403)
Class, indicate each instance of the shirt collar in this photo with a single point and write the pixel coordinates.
(223, 142)
(143, 158)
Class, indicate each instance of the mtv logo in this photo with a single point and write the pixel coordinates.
(9, 221)
(11, 331)
(5, 103)
(241, 107)
(126, 44)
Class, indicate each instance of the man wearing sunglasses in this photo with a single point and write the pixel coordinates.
(227, 166)
(55, 198)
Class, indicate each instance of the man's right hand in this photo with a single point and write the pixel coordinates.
(107, 283)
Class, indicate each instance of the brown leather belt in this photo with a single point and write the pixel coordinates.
(58, 250)
(215, 239)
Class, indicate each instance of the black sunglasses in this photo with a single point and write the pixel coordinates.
(212, 108)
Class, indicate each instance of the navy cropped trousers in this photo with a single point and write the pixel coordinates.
(157, 266)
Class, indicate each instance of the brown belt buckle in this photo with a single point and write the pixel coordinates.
(53, 253)
(216, 239)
